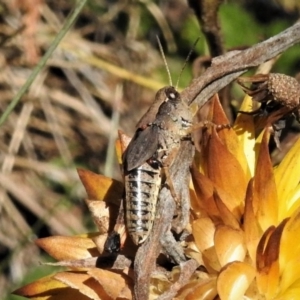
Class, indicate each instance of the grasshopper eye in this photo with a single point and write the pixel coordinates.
(172, 95)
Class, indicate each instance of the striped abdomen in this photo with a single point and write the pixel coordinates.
(141, 186)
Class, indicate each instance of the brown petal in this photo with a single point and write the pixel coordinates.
(115, 285)
(99, 241)
(49, 288)
(99, 187)
(268, 274)
(100, 213)
(228, 136)
(124, 140)
(260, 257)
(218, 115)
(226, 215)
(84, 283)
(121, 144)
(68, 248)
(226, 172)
(204, 191)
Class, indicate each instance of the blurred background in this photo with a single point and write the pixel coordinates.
(102, 77)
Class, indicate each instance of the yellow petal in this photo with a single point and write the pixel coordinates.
(294, 201)
(265, 190)
(251, 227)
(205, 290)
(68, 248)
(234, 280)
(287, 178)
(229, 244)
(290, 246)
(245, 130)
(99, 187)
(290, 274)
(292, 293)
(49, 288)
(203, 232)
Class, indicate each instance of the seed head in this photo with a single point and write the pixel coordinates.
(284, 89)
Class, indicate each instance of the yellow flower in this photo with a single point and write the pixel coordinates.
(245, 223)
(246, 215)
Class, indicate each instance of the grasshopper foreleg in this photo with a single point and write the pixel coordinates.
(206, 124)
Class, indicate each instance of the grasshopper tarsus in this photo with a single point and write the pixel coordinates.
(113, 243)
(206, 124)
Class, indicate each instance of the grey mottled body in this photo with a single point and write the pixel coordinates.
(152, 148)
(142, 185)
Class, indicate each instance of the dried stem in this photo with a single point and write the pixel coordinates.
(145, 260)
(228, 67)
(207, 15)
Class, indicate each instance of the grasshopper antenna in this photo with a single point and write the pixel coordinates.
(186, 61)
(164, 59)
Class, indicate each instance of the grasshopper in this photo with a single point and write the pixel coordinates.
(149, 156)
(152, 149)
